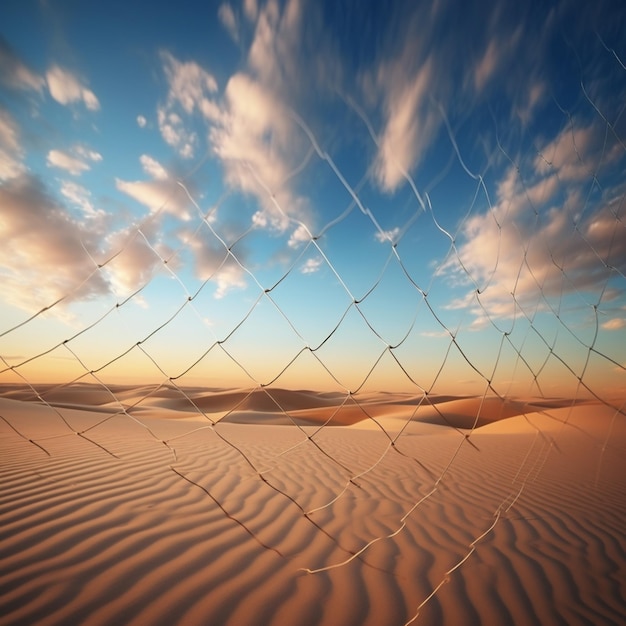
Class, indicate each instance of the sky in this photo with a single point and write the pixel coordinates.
(424, 196)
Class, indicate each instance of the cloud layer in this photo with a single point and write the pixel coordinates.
(309, 78)
(546, 236)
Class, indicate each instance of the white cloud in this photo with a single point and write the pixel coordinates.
(532, 96)
(11, 152)
(311, 266)
(66, 88)
(141, 121)
(15, 74)
(616, 323)
(191, 90)
(9, 166)
(277, 57)
(486, 67)
(436, 334)
(230, 277)
(159, 195)
(300, 235)
(526, 250)
(9, 132)
(37, 234)
(574, 154)
(175, 134)
(79, 196)
(387, 235)
(156, 195)
(214, 263)
(75, 165)
(410, 122)
(153, 168)
(502, 40)
(257, 143)
(228, 19)
(249, 130)
(249, 126)
(188, 81)
(135, 262)
(250, 9)
(86, 153)
(162, 194)
(64, 161)
(422, 72)
(264, 51)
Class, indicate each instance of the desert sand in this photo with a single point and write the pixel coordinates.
(155, 505)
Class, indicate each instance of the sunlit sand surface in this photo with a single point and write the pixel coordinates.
(152, 506)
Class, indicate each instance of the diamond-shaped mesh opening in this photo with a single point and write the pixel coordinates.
(350, 339)
(313, 301)
(276, 341)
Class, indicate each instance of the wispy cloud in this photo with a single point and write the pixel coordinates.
(153, 168)
(530, 100)
(188, 82)
(86, 153)
(75, 163)
(486, 67)
(157, 196)
(135, 261)
(229, 20)
(497, 53)
(190, 90)
(176, 134)
(255, 142)
(62, 160)
(387, 235)
(79, 196)
(11, 152)
(411, 122)
(300, 235)
(617, 323)
(436, 334)
(213, 261)
(312, 265)
(160, 194)
(14, 73)
(251, 9)
(425, 64)
(578, 152)
(66, 88)
(251, 129)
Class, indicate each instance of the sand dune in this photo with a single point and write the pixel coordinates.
(128, 507)
(281, 406)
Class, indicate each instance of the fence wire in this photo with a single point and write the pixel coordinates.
(529, 313)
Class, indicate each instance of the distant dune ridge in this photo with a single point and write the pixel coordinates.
(154, 505)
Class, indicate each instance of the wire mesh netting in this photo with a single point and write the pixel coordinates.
(333, 362)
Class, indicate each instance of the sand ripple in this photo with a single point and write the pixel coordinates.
(174, 521)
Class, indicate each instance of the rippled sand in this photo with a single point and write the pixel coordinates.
(152, 506)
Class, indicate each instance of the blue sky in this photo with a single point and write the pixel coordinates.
(363, 186)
